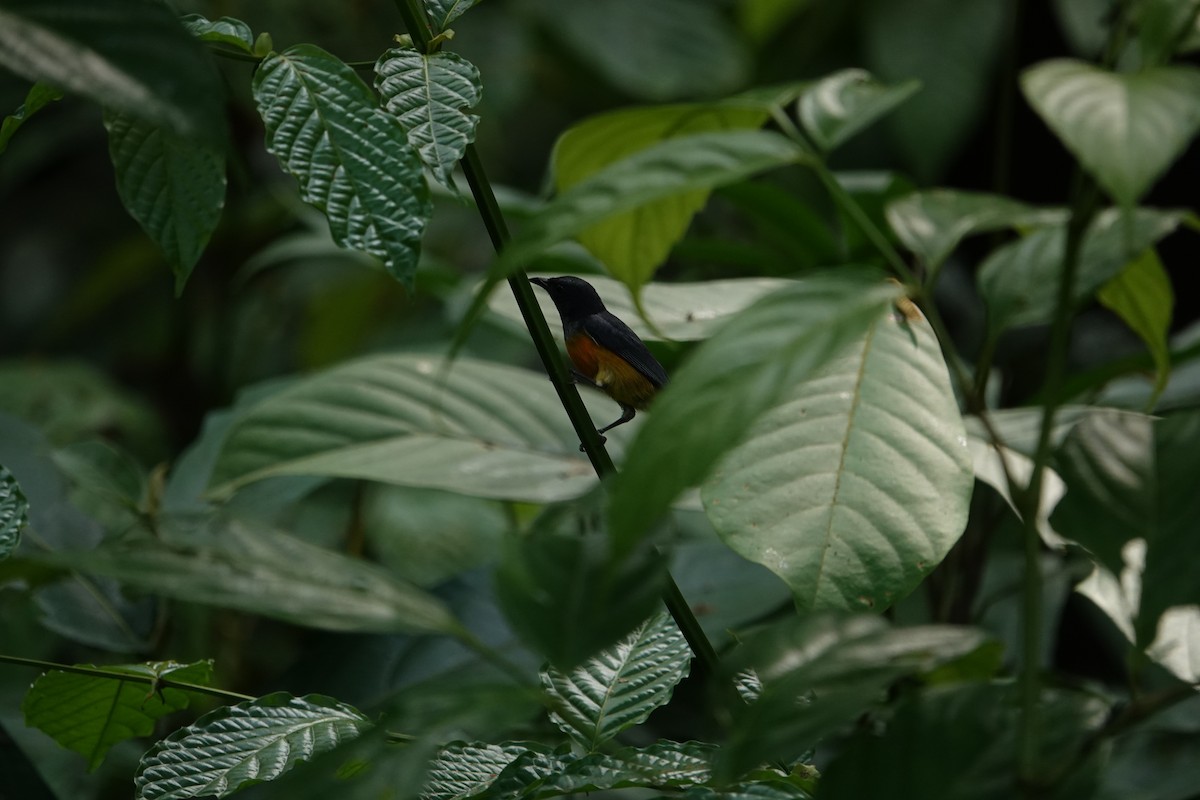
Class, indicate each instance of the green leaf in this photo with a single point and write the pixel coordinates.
(959, 742)
(993, 466)
(250, 742)
(760, 20)
(430, 94)
(1142, 296)
(174, 188)
(1019, 281)
(40, 95)
(855, 487)
(1125, 128)
(226, 30)
(749, 365)
(443, 12)
(932, 223)
(352, 159)
(842, 104)
(129, 55)
(633, 244)
(466, 769)
(673, 168)
(618, 687)
(236, 564)
(482, 429)
(1162, 27)
(14, 513)
(565, 595)
(91, 713)
(682, 312)
(821, 671)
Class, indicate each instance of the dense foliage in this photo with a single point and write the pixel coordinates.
(287, 509)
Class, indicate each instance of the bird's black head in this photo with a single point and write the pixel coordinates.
(573, 297)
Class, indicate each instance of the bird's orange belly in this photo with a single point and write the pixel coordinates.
(615, 376)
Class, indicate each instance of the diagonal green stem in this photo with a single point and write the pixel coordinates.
(96, 672)
(416, 22)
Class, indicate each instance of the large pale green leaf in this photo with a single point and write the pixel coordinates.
(14, 513)
(1019, 281)
(1142, 296)
(842, 104)
(565, 595)
(744, 370)
(659, 51)
(129, 55)
(254, 741)
(820, 671)
(1129, 477)
(226, 30)
(932, 223)
(680, 311)
(855, 487)
(40, 95)
(352, 158)
(481, 428)
(236, 564)
(1125, 128)
(620, 686)
(174, 188)
(670, 169)
(633, 244)
(430, 95)
(443, 12)
(91, 713)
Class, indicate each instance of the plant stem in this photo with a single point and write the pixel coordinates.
(97, 672)
(416, 22)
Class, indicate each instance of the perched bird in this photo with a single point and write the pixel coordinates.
(602, 348)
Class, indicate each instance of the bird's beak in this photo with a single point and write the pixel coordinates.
(538, 282)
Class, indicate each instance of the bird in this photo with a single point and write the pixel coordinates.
(604, 351)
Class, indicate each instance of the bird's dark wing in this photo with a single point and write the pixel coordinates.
(612, 334)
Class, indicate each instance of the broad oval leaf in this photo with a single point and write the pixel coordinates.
(1019, 281)
(443, 12)
(482, 429)
(466, 769)
(745, 369)
(1125, 128)
(618, 687)
(128, 55)
(91, 713)
(352, 159)
(1142, 296)
(14, 513)
(633, 244)
(682, 312)
(225, 30)
(842, 104)
(174, 188)
(857, 486)
(430, 94)
(932, 223)
(254, 741)
(668, 169)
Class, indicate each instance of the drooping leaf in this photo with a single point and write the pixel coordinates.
(842, 104)
(684, 312)
(129, 55)
(749, 365)
(14, 513)
(91, 713)
(633, 244)
(1142, 296)
(430, 95)
(237, 564)
(352, 159)
(855, 487)
(1019, 281)
(820, 671)
(174, 188)
(254, 741)
(1125, 128)
(482, 429)
(40, 95)
(565, 594)
(618, 687)
(994, 465)
(443, 12)
(932, 223)
(670, 169)
(226, 30)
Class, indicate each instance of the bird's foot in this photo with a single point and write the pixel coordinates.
(603, 439)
